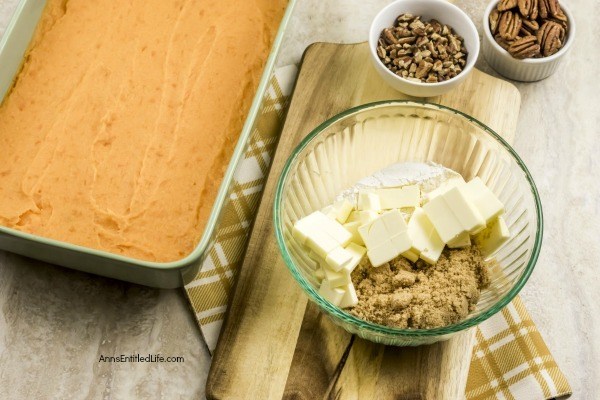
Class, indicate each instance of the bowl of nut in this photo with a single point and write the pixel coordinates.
(423, 47)
(525, 40)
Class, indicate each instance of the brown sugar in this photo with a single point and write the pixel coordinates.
(418, 295)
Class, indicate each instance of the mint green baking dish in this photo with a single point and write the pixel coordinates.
(162, 275)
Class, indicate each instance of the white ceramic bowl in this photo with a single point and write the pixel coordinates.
(529, 69)
(444, 12)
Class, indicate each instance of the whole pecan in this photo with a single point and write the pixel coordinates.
(548, 8)
(529, 27)
(505, 44)
(549, 37)
(524, 47)
(528, 8)
(494, 17)
(507, 4)
(509, 25)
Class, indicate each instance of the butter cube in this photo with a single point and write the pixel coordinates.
(321, 223)
(321, 243)
(493, 237)
(338, 258)
(374, 233)
(364, 217)
(358, 253)
(412, 256)
(331, 294)
(401, 243)
(463, 240)
(464, 210)
(383, 253)
(443, 219)
(426, 242)
(431, 254)
(394, 222)
(484, 200)
(302, 229)
(457, 181)
(368, 201)
(407, 196)
(336, 278)
(356, 250)
(349, 299)
(352, 227)
(342, 210)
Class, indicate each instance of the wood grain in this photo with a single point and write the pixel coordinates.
(272, 345)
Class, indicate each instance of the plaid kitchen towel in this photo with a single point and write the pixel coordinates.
(510, 359)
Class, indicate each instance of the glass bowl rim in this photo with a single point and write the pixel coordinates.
(382, 329)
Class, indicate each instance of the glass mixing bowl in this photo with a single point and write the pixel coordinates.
(362, 140)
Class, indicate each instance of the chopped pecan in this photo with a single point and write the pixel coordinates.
(418, 27)
(423, 50)
(525, 47)
(507, 4)
(431, 78)
(423, 69)
(436, 25)
(509, 25)
(405, 18)
(407, 40)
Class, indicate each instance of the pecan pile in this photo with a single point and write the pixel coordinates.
(529, 28)
(422, 51)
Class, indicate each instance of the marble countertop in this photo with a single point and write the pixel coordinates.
(55, 323)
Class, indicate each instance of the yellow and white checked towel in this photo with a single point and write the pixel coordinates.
(510, 359)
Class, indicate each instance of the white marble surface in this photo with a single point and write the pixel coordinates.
(54, 323)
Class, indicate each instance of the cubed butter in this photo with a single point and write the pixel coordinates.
(406, 196)
(401, 243)
(352, 227)
(302, 229)
(332, 294)
(333, 228)
(431, 254)
(493, 237)
(455, 181)
(336, 278)
(412, 256)
(426, 242)
(337, 258)
(350, 299)
(358, 253)
(368, 201)
(394, 222)
(374, 233)
(443, 219)
(342, 210)
(383, 253)
(364, 216)
(464, 210)
(486, 202)
(463, 240)
(321, 243)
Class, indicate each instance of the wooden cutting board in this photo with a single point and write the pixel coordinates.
(273, 344)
